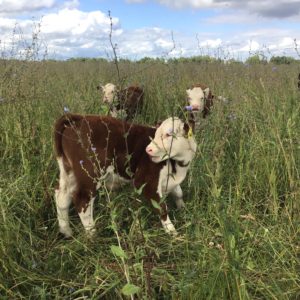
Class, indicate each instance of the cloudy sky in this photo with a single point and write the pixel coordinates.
(163, 28)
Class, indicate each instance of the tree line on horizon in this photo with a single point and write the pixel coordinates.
(253, 59)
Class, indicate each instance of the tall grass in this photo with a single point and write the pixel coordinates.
(239, 234)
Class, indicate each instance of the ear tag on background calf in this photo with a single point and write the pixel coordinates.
(190, 133)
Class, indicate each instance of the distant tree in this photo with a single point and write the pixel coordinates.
(195, 59)
(125, 60)
(146, 59)
(100, 59)
(279, 60)
(256, 59)
(232, 61)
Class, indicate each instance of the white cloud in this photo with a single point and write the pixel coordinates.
(231, 18)
(68, 32)
(266, 8)
(13, 29)
(211, 43)
(287, 42)
(251, 46)
(20, 6)
(283, 46)
(189, 3)
(84, 34)
(76, 23)
(71, 4)
(142, 42)
(164, 44)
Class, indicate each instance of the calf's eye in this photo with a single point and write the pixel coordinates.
(169, 133)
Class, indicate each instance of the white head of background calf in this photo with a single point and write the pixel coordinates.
(109, 92)
(196, 97)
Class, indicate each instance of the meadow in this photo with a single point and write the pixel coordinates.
(239, 233)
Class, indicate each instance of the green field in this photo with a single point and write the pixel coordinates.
(239, 234)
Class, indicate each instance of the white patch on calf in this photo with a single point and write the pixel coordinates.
(168, 226)
(86, 217)
(177, 194)
(63, 198)
(169, 181)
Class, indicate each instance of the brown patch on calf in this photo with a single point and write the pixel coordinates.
(208, 104)
(188, 126)
(131, 100)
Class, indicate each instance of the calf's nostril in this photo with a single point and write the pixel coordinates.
(148, 150)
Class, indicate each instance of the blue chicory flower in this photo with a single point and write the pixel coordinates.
(189, 107)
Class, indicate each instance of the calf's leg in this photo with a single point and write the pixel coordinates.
(84, 204)
(177, 195)
(63, 201)
(165, 220)
(87, 218)
(63, 198)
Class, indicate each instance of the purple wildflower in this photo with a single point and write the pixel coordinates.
(189, 107)
(232, 116)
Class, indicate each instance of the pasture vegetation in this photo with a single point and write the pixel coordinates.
(239, 233)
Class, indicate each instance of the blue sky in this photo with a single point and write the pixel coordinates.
(148, 14)
(155, 28)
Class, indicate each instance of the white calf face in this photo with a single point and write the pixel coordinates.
(172, 139)
(109, 92)
(196, 97)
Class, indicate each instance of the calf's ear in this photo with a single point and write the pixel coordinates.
(206, 92)
(189, 128)
(157, 124)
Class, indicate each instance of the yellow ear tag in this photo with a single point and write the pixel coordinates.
(190, 133)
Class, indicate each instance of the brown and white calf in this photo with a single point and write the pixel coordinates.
(93, 150)
(126, 102)
(200, 99)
